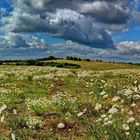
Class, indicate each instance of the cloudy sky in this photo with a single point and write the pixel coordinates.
(95, 29)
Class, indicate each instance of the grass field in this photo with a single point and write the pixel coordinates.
(99, 101)
(96, 65)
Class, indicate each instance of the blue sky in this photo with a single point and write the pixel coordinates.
(50, 39)
(131, 35)
(102, 29)
(4, 4)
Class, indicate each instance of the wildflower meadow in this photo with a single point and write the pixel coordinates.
(48, 103)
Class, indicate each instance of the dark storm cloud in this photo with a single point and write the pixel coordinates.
(108, 11)
(84, 22)
(87, 22)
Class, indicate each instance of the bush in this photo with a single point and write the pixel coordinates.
(62, 65)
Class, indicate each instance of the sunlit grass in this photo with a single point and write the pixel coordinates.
(46, 103)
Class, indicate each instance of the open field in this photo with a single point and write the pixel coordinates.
(99, 101)
(96, 65)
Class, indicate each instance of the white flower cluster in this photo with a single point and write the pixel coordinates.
(33, 122)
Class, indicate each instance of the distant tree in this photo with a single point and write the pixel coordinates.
(73, 58)
(1, 62)
(52, 58)
(87, 60)
(31, 62)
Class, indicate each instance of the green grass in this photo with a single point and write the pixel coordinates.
(99, 101)
(95, 65)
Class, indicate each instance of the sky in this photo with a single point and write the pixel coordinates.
(94, 29)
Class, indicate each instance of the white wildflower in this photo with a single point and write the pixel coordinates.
(110, 116)
(98, 120)
(114, 86)
(127, 133)
(103, 116)
(90, 93)
(106, 119)
(3, 108)
(13, 136)
(113, 110)
(125, 127)
(116, 105)
(122, 110)
(132, 119)
(61, 126)
(135, 89)
(115, 99)
(102, 93)
(130, 112)
(80, 114)
(105, 96)
(137, 96)
(133, 104)
(122, 101)
(109, 122)
(83, 74)
(137, 124)
(103, 81)
(2, 119)
(98, 106)
(92, 80)
(128, 92)
(15, 111)
(84, 110)
(2, 76)
(105, 85)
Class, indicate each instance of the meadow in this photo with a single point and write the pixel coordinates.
(98, 101)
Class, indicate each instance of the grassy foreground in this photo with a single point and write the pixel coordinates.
(99, 101)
